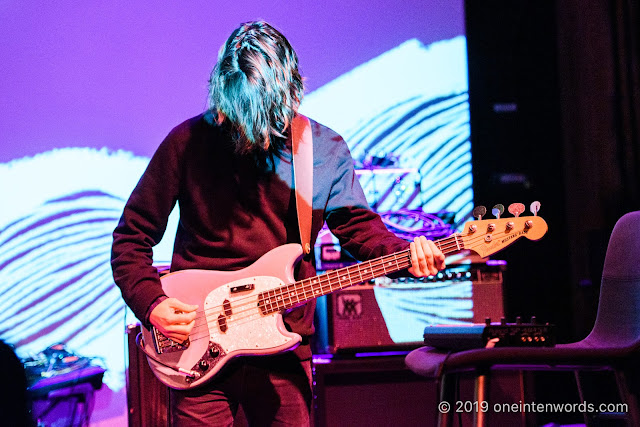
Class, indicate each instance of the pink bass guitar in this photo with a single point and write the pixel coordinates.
(240, 312)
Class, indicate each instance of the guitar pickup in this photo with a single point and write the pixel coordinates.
(242, 288)
(222, 323)
(226, 305)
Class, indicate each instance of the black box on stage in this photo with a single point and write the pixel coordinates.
(147, 397)
(393, 313)
(381, 391)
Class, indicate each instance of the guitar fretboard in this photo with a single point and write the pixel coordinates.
(299, 292)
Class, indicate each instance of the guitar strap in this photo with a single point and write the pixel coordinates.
(302, 147)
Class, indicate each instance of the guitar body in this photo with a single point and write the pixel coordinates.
(229, 321)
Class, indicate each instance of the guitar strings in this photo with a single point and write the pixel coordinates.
(445, 244)
(249, 303)
(238, 313)
(327, 282)
(323, 278)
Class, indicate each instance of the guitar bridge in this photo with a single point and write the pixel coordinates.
(163, 344)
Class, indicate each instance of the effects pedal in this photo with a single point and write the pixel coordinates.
(502, 334)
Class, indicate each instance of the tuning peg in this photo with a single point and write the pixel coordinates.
(516, 209)
(535, 208)
(479, 212)
(497, 210)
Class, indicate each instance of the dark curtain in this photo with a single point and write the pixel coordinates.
(599, 74)
(626, 51)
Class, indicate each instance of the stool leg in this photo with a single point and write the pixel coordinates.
(481, 394)
(628, 397)
(527, 394)
(447, 394)
(581, 396)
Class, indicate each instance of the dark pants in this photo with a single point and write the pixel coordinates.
(273, 391)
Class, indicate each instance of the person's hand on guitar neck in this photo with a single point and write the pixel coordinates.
(426, 258)
(174, 319)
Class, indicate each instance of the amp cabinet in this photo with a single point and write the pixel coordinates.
(391, 314)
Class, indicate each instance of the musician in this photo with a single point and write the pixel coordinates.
(230, 171)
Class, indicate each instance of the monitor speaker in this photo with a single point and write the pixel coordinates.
(391, 314)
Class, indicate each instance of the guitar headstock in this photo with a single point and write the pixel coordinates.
(488, 236)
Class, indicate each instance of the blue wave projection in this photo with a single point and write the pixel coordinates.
(433, 137)
(55, 275)
(55, 248)
(405, 117)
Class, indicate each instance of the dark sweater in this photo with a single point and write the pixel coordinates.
(234, 208)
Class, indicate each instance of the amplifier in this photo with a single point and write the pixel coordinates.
(391, 314)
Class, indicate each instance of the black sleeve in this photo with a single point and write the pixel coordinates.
(142, 226)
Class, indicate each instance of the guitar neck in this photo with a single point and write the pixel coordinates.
(302, 291)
